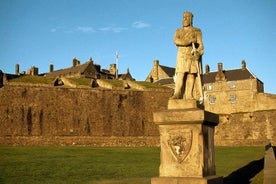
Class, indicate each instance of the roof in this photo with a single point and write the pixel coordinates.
(125, 76)
(230, 75)
(74, 69)
(168, 70)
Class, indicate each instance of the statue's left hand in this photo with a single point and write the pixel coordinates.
(196, 56)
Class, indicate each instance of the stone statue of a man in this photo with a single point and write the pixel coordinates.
(188, 39)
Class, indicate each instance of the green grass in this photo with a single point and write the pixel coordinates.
(33, 79)
(231, 159)
(103, 165)
(150, 85)
(115, 83)
(80, 81)
(77, 164)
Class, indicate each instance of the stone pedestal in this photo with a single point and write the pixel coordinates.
(187, 144)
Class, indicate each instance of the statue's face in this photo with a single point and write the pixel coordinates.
(187, 21)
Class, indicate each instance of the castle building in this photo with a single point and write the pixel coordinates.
(32, 71)
(88, 70)
(161, 74)
(225, 91)
(233, 91)
(247, 115)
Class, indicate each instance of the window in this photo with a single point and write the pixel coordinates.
(212, 99)
(232, 84)
(209, 87)
(233, 98)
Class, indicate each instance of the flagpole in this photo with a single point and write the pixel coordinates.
(117, 56)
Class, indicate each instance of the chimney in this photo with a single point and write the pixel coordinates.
(155, 74)
(220, 75)
(220, 67)
(51, 67)
(17, 69)
(75, 62)
(156, 62)
(207, 69)
(243, 64)
(35, 70)
(91, 60)
(112, 69)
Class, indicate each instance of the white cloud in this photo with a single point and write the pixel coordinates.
(105, 29)
(119, 29)
(140, 24)
(113, 29)
(89, 29)
(85, 29)
(82, 29)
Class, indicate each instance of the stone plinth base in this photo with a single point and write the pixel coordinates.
(187, 180)
(187, 144)
(182, 104)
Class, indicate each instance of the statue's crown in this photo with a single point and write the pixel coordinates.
(188, 14)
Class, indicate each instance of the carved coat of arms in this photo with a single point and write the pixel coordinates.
(180, 144)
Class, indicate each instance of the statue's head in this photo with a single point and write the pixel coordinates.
(187, 19)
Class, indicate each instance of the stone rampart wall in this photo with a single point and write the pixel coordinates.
(251, 128)
(49, 111)
(32, 115)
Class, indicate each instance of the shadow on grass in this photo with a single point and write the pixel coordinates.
(244, 174)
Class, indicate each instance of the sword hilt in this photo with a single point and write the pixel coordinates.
(194, 50)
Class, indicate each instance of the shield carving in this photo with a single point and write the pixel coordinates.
(180, 144)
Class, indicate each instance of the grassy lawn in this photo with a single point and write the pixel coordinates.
(108, 165)
(150, 85)
(239, 165)
(115, 83)
(33, 79)
(80, 81)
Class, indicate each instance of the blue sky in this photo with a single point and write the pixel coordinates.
(40, 32)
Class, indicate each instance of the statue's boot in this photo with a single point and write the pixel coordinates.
(175, 96)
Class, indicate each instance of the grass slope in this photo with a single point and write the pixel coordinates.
(106, 165)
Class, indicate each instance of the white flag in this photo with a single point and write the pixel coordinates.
(117, 55)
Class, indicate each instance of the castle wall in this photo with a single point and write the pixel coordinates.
(39, 115)
(250, 128)
(265, 101)
(49, 111)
